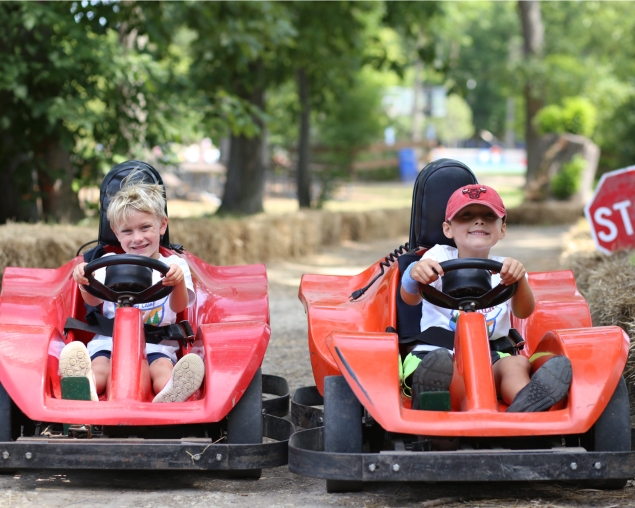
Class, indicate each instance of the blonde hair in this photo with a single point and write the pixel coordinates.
(135, 194)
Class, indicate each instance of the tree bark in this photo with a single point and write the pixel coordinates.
(55, 174)
(533, 36)
(17, 193)
(304, 151)
(245, 172)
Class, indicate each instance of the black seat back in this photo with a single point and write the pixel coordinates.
(432, 190)
(109, 187)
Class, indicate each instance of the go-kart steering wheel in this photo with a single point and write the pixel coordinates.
(469, 303)
(126, 298)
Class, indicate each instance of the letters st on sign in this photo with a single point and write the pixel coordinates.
(611, 211)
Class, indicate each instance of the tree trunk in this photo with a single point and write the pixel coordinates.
(245, 172)
(55, 175)
(17, 193)
(533, 35)
(304, 153)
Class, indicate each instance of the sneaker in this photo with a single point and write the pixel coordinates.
(548, 385)
(186, 378)
(433, 374)
(75, 362)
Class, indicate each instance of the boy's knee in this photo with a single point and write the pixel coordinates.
(515, 362)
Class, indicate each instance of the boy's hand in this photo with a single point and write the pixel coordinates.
(174, 276)
(79, 276)
(426, 271)
(512, 271)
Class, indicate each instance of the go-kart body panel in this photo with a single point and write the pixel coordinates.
(229, 317)
(348, 338)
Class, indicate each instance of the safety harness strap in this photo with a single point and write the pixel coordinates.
(154, 334)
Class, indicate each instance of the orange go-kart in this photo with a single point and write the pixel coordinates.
(221, 427)
(367, 430)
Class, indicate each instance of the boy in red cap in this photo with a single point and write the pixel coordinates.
(475, 220)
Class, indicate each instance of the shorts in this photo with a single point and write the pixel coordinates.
(413, 359)
(151, 356)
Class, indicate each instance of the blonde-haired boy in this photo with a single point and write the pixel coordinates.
(137, 217)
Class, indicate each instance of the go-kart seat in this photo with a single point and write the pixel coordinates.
(432, 189)
(106, 240)
(109, 187)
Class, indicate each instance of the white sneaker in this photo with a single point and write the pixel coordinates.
(186, 378)
(75, 362)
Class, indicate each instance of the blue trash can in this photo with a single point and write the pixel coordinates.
(408, 164)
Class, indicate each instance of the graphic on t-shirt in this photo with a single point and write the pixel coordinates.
(454, 317)
(153, 315)
(491, 322)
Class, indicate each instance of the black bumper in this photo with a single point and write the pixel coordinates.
(130, 453)
(308, 458)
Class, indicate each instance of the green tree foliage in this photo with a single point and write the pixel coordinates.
(576, 116)
(82, 89)
(235, 54)
(567, 181)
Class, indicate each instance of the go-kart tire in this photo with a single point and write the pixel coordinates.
(342, 427)
(6, 431)
(244, 423)
(612, 432)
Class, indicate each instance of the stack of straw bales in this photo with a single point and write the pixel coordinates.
(257, 239)
(608, 284)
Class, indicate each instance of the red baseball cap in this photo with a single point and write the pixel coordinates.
(474, 194)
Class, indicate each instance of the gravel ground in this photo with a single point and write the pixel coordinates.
(537, 248)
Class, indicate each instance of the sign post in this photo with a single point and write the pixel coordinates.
(611, 211)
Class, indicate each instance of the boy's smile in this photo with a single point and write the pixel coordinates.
(475, 230)
(141, 234)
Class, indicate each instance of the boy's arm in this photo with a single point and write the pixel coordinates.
(179, 297)
(80, 277)
(523, 300)
(426, 270)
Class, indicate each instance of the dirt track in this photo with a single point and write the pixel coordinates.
(537, 248)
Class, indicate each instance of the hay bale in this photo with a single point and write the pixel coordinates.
(227, 241)
(608, 285)
(545, 213)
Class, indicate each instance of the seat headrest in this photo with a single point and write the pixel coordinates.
(109, 187)
(432, 189)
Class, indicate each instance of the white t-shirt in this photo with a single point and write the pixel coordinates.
(497, 318)
(157, 313)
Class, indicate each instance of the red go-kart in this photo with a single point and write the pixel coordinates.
(367, 430)
(221, 427)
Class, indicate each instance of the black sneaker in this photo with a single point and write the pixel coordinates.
(433, 374)
(548, 385)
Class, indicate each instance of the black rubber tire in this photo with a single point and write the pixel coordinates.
(244, 423)
(6, 430)
(612, 432)
(342, 426)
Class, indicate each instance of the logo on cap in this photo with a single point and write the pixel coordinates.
(474, 193)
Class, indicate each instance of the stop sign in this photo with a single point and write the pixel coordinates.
(611, 211)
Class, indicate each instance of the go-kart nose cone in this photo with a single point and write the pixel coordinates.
(466, 283)
(128, 278)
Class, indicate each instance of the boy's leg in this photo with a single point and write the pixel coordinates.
(185, 379)
(511, 374)
(547, 386)
(101, 371)
(160, 372)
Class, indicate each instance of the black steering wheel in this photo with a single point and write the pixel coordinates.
(126, 297)
(481, 298)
